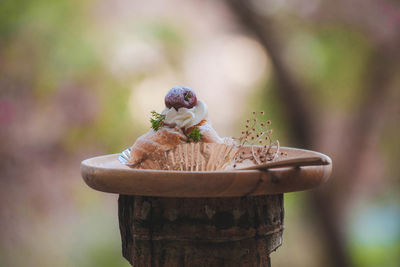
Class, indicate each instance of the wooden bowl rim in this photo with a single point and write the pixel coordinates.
(107, 174)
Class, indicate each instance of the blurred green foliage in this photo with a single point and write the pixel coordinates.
(375, 234)
(96, 240)
(334, 59)
(48, 45)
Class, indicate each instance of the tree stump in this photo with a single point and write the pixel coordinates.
(239, 231)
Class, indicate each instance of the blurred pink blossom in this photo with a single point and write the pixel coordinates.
(7, 112)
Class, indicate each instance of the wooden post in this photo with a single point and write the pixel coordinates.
(240, 231)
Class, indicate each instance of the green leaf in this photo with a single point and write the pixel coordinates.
(187, 96)
(157, 120)
(194, 135)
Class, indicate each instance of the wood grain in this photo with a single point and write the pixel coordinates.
(233, 232)
(293, 162)
(107, 174)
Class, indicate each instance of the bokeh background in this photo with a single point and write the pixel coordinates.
(78, 78)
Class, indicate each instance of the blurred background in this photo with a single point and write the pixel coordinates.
(78, 78)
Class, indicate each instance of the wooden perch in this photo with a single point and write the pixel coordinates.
(239, 231)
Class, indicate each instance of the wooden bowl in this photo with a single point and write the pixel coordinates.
(108, 174)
